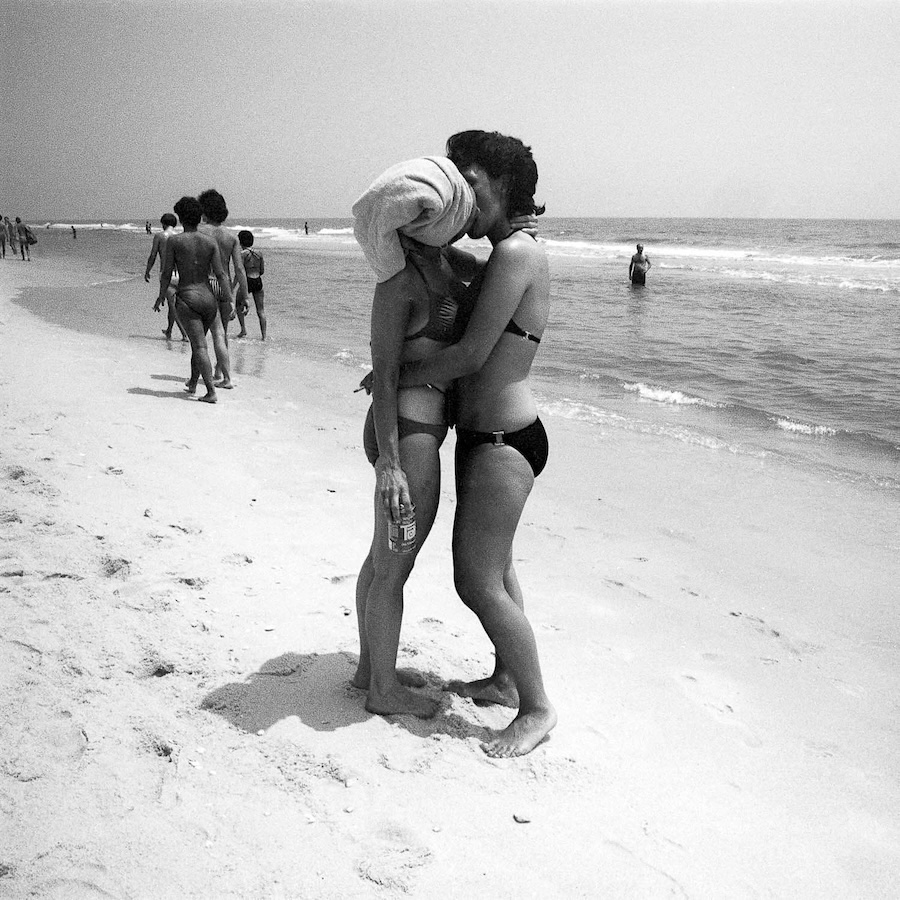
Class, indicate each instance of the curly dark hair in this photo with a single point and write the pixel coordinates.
(245, 237)
(167, 220)
(504, 157)
(189, 211)
(213, 205)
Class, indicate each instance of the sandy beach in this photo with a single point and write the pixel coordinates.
(719, 637)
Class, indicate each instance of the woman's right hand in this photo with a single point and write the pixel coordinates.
(528, 224)
(392, 486)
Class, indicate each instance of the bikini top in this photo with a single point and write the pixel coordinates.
(450, 302)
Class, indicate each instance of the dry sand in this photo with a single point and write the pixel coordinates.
(176, 592)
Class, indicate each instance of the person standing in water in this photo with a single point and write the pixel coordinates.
(254, 267)
(168, 222)
(639, 266)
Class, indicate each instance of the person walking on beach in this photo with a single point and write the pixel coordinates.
(254, 267)
(74, 233)
(157, 249)
(3, 233)
(501, 445)
(195, 255)
(639, 266)
(215, 212)
(26, 238)
(12, 235)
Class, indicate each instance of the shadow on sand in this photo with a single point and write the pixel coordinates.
(316, 689)
(171, 395)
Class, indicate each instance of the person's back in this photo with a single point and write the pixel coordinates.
(194, 252)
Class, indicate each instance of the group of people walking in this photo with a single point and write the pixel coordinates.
(453, 339)
(18, 235)
(206, 276)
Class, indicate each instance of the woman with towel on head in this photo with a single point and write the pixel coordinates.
(501, 446)
(401, 222)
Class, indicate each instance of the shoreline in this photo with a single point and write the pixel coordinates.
(718, 637)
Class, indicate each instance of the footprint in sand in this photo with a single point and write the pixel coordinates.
(394, 857)
(712, 701)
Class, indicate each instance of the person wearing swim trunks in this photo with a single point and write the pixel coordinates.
(195, 255)
(639, 266)
(215, 212)
(254, 267)
(501, 444)
(157, 248)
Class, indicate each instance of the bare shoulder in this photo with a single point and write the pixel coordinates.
(520, 249)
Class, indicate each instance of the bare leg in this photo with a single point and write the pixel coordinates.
(381, 582)
(494, 486)
(498, 688)
(259, 298)
(220, 345)
(200, 362)
(173, 317)
(241, 321)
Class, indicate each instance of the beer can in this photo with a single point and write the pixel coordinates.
(402, 534)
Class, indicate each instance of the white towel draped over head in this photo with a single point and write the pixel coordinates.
(426, 198)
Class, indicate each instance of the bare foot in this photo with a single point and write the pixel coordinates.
(400, 700)
(406, 677)
(523, 734)
(168, 334)
(191, 387)
(227, 385)
(209, 398)
(185, 338)
(241, 334)
(500, 691)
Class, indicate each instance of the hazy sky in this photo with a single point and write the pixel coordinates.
(673, 108)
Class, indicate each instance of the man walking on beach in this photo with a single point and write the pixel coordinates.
(639, 266)
(215, 212)
(158, 248)
(3, 236)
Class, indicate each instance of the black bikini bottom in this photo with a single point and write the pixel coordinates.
(530, 441)
(405, 427)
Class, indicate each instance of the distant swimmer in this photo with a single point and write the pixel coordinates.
(158, 248)
(639, 266)
(74, 233)
(254, 267)
(306, 227)
(196, 255)
(147, 226)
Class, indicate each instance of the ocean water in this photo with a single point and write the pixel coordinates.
(776, 339)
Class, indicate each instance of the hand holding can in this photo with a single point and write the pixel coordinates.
(402, 534)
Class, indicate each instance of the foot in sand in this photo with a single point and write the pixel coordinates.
(498, 690)
(209, 398)
(241, 334)
(168, 334)
(523, 734)
(227, 385)
(399, 701)
(406, 677)
(191, 387)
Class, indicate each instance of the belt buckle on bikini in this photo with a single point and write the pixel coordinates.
(498, 438)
